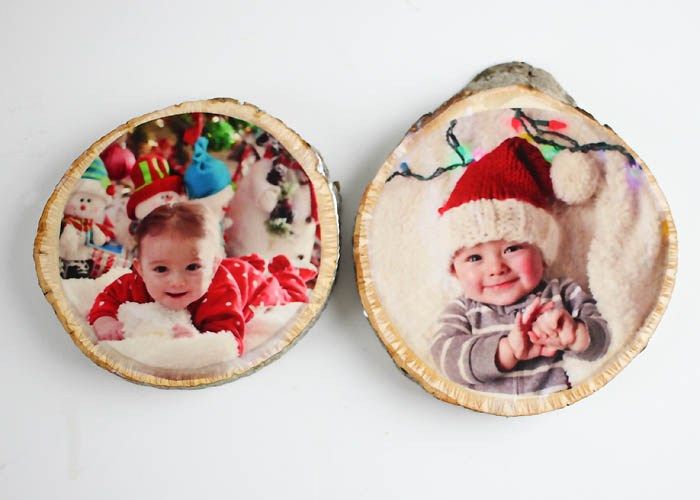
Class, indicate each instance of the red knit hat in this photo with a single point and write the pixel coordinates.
(151, 175)
(505, 195)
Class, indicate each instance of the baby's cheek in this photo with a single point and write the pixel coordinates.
(155, 284)
(471, 283)
(532, 270)
(151, 287)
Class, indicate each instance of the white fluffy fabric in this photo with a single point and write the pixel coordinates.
(625, 257)
(149, 340)
(575, 176)
(187, 353)
(151, 320)
(81, 292)
(267, 322)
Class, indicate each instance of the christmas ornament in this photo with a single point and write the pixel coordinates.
(118, 160)
(220, 133)
(512, 253)
(136, 270)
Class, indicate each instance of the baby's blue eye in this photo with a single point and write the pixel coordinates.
(160, 269)
(513, 248)
(193, 267)
(473, 258)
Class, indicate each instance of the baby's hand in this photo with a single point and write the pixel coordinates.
(107, 328)
(520, 339)
(182, 331)
(558, 330)
(552, 328)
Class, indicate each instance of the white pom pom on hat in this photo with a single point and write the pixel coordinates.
(575, 176)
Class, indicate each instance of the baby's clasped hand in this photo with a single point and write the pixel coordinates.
(183, 331)
(556, 328)
(517, 345)
(520, 335)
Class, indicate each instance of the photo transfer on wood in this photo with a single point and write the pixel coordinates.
(512, 253)
(191, 245)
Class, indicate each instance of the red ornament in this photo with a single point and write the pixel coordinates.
(192, 134)
(118, 161)
(515, 123)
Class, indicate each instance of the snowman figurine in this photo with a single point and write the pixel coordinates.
(82, 228)
(273, 211)
(208, 182)
(153, 186)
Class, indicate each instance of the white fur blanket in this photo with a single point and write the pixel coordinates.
(149, 338)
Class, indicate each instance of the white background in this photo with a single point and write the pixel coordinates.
(333, 418)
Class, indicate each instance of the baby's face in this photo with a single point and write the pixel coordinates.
(177, 271)
(499, 272)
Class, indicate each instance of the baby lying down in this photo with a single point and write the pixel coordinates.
(179, 267)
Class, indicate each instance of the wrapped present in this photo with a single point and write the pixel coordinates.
(103, 260)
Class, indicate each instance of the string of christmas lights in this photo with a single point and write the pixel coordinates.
(453, 142)
(554, 125)
(543, 132)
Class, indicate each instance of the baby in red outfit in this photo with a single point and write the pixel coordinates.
(179, 265)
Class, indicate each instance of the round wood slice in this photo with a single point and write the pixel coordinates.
(618, 244)
(152, 356)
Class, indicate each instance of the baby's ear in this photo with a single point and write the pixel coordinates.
(136, 264)
(455, 254)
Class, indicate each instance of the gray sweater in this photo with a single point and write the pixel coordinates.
(464, 347)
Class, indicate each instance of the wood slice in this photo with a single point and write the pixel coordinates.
(298, 218)
(605, 232)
